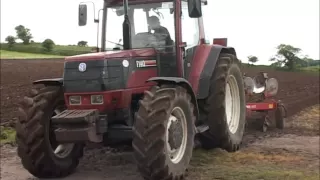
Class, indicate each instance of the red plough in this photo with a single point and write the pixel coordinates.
(260, 98)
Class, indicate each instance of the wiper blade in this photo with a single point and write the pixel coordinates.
(115, 43)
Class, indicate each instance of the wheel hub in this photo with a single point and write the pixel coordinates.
(176, 137)
(232, 104)
(175, 134)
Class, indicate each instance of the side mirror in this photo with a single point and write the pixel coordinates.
(120, 12)
(82, 15)
(194, 8)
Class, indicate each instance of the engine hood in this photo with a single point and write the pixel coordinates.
(113, 54)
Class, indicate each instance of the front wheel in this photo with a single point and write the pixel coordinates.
(40, 154)
(164, 133)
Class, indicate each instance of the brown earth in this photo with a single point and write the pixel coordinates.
(289, 154)
(16, 79)
(292, 154)
(297, 90)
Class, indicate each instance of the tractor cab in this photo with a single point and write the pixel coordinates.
(151, 25)
(148, 30)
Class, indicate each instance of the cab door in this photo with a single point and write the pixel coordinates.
(190, 33)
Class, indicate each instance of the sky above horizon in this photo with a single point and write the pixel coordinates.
(253, 27)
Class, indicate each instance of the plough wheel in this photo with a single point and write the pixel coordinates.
(266, 123)
(280, 115)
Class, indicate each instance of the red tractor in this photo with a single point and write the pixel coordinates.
(260, 92)
(162, 88)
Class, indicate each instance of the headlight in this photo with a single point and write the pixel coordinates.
(96, 99)
(75, 100)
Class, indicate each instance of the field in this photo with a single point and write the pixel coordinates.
(297, 90)
(37, 48)
(289, 154)
(20, 55)
(312, 69)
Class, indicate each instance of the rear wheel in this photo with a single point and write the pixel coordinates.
(225, 107)
(164, 133)
(40, 154)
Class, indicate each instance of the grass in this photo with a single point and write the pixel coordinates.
(7, 135)
(307, 120)
(21, 55)
(55, 47)
(310, 69)
(250, 165)
(37, 48)
(315, 69)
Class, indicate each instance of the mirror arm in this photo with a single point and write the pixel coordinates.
(97, 21)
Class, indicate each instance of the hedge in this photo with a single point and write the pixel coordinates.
(57, 49)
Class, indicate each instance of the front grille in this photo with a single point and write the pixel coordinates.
(100, 75)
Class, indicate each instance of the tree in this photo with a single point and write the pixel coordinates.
(48, 45)
(314, 63)
(307, 61)
(82, 43)
(276, 64)
(11, 40)
(24, 34)
(287, 55)
(253, 59)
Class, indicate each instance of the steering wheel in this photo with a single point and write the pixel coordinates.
(144, 39)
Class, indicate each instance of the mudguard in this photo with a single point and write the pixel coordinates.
(179, 81)
(50, 82)
(207, 71)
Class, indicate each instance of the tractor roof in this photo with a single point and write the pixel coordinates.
(120, 2)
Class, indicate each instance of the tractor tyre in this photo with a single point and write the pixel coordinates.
(164, 132)
(225, 107)
(35, 137)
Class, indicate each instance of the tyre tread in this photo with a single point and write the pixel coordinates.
(213, 107)
(30, 134)
(148, 142)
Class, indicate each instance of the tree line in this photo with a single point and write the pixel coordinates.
(24, 34)
(286, 56)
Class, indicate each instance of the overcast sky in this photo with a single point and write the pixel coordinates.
(253, 27)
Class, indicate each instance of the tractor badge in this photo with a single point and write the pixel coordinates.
(146, 63)
(82, 67)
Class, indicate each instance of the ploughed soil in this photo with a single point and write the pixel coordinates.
(297, 90)
(292, 153)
